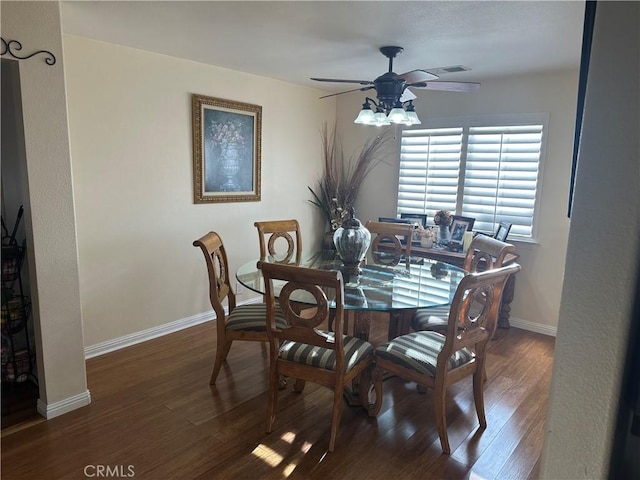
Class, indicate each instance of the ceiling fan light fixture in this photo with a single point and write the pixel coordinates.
(393, 93)
(366, 115)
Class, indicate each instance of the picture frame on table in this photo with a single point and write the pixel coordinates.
(470, 221)
(227, 150)
(416, 219)
(458, 229)
(503, 231)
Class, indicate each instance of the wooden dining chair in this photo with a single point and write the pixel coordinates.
(391, 242)
(303, 351)
(268, 234)
(245, 322)
(485, 253)
(436, 361)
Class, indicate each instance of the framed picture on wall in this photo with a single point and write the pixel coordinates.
(227, 144)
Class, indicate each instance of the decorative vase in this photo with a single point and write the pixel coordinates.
(229, 167)
(444, 235)
(352, 241)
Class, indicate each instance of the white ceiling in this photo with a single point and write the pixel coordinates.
(295, 40)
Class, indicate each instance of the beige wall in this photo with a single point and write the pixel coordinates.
(130, 127)
(538, 286)
(50, 220)
(598, 292)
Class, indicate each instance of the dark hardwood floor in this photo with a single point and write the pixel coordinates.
(154, 416)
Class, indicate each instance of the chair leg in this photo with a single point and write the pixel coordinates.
(298, 386)
(439, 394)
(221, 355)
(274, 387)
(335, 418)
(478, 395)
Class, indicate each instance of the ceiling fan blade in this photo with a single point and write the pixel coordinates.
(348, 91)
(337, 80)
(407, 95)
(447, 86)
(416, 76)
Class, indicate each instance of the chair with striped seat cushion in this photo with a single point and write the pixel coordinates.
(246, 322)
(303, 351)
(484, 253)
(436, 361)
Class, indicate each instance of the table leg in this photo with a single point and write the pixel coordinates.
(362, 324)
(399, 323)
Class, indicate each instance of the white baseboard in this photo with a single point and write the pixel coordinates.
(175, 326)
(56, 409)
(154, 332)
(533, 327)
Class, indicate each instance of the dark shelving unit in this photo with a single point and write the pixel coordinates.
(17, 355)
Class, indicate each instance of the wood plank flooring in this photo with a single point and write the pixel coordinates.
(154, 415)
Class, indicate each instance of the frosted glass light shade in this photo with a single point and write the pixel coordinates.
(413, 118)
(366, 117)
(398, 115)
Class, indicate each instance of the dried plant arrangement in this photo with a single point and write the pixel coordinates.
(342, 177)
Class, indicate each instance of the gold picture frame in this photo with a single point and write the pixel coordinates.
(227, 150)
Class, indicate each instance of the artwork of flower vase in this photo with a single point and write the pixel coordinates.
(229, 167)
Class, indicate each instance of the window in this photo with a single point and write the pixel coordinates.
(487, 168)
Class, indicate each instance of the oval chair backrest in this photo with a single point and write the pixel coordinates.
(391, 234)
(474, 310)
(276, 229)
(303, 323)
(488, 250)
(215, 256)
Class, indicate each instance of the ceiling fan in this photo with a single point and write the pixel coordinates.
(392, 91)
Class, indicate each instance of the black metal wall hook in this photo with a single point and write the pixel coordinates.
(12, 46)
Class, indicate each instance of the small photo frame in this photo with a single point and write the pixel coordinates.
(503, 231)
(470, 221)
(416, 219)
(458, 228)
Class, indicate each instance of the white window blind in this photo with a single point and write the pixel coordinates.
(482, 170)
(429, 170)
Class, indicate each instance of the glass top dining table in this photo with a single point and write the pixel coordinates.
(397, 289)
